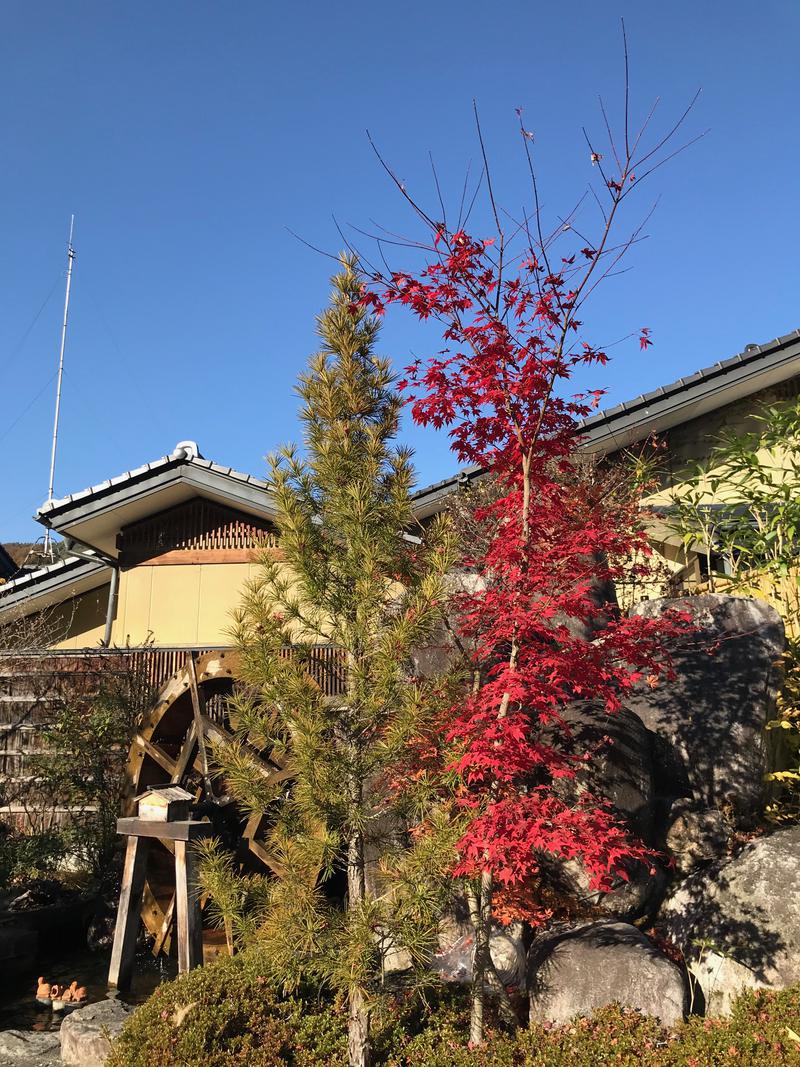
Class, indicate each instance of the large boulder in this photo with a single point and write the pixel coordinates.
(26, 1048)
(621, 765)
(87, 1033)
(621, 769)
(711, 715)
(585, 968)
(746, 910)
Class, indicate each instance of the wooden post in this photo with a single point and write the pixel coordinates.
(130, 902)
(186, 903)
(187, 909)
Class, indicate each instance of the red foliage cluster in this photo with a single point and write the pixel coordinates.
(538, 634)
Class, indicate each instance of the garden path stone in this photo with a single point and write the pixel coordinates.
(86, 1034)
(577, 971)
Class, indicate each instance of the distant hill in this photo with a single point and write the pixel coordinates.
(24, 553)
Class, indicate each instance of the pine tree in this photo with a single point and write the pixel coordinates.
(358, 573)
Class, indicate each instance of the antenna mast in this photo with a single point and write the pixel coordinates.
(70, 257)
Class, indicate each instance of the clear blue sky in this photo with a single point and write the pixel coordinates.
(189, 137)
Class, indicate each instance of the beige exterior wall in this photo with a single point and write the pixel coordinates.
(82, 619)
(181, 604)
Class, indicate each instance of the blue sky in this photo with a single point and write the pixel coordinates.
(190, 138)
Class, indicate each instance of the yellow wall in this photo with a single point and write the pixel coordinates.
(685, 445)
(179, 604)
(82, 619)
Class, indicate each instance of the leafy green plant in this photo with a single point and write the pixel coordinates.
(82, 767)
(229, 1013)
(24, 856)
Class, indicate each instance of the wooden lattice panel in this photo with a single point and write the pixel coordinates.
(198, 527)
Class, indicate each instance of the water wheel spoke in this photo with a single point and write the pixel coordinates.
(185, 755)
(271, 771)
(155, 753)
(266, 857)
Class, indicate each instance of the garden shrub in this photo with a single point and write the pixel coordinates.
(228, 1015)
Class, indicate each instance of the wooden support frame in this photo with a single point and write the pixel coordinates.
(185, 903)
(126, 931)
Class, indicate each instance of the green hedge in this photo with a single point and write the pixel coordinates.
(226, 1014)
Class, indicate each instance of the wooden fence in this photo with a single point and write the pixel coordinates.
(34, 684)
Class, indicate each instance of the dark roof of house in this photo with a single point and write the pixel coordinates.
(757, 368)
(93, 517)
(7, 565)
(56, 582)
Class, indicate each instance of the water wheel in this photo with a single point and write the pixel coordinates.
(165, 749)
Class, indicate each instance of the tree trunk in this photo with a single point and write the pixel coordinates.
(481, 915)
(359, 1042)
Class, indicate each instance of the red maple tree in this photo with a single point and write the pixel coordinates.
(510, 309)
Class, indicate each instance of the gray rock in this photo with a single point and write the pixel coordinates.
(622, 771)
(711, 716)
(22, 1048)
(621, 768)
(453, 961)
(722, 980)
(588, 967)
(696, 837)
(746, 908)
(87, 1033)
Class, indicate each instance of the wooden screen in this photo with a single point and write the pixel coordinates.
(197, 531)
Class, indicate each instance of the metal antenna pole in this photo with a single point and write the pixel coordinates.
(70, 257)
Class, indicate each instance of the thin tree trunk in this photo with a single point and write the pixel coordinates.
(359, 1040)
(481, 915)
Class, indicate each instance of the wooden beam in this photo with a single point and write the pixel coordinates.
(188, 921)
(200, 718)
(185, 755)
(126, 931)
(162, 937)
(184, 830)
(161, 758)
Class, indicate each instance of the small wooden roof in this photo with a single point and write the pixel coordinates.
(166, 793)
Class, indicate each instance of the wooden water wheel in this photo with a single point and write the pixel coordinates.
(193, 703)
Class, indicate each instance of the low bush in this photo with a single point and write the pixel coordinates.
(226, 1015)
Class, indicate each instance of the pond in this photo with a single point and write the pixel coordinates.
(20, 1011)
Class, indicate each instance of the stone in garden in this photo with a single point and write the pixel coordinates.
(87, 1033)
(577, 971)
(722, 980)
(26, 1048)
(621, 770)
(453, 961)
(711, 716)
(695, 837)
(746, 908)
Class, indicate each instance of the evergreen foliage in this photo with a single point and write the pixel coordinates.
(355, 571)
